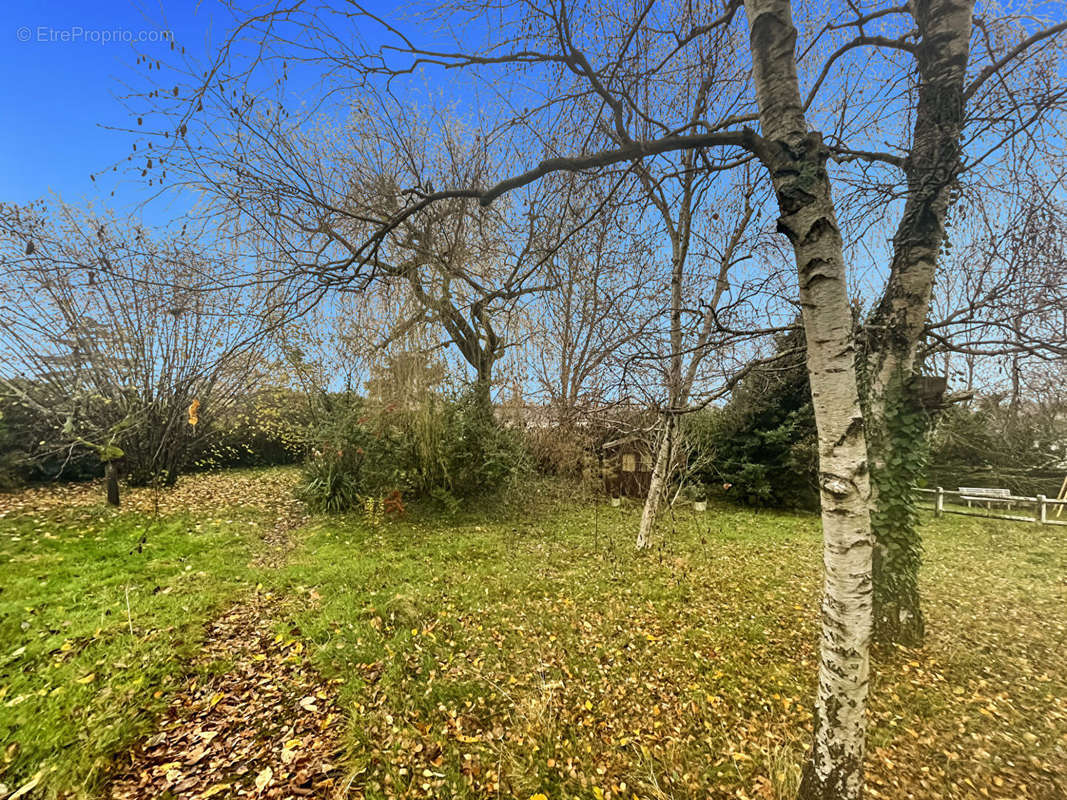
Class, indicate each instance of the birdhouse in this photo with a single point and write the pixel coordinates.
(929, 391)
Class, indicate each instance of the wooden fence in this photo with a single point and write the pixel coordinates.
(1046, 510)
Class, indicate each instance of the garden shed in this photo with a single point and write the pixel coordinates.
(626, 465)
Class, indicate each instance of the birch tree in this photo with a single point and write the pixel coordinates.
(796, 159)
(954, 107)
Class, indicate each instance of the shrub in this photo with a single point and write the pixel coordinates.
(28, 452)
(270, 428)
(560, 450)
(988, 443)
(328, 485)
(439, 448)
(9, 478)
(763, 442)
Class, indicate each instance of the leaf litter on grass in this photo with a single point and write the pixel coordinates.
(267, 726)
(261, 490)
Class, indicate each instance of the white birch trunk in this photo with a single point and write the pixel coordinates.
(658, 484)
(796, 159)
(681, 386)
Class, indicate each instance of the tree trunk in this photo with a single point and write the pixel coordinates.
(676, 397)
(658, 484)
(897, 449)
(797, 163)
(483, 395)
(111, 478)
(896, 429)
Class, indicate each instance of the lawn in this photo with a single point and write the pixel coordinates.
(524, 648)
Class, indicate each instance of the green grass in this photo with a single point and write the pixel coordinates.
(525, 648)
(536, 652)
(96, 630)
(542, 654)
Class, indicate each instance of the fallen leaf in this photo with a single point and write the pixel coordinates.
(264, 778)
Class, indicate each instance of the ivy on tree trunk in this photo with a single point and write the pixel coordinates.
(896, 442)
(895, 423)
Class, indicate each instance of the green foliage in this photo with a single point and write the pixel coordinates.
(69, 435)
(28, 450)
(421, 449)
(763, 442)
(329, 484)
(898, 447)
(990, 443)
(268, 428)
(8, 457)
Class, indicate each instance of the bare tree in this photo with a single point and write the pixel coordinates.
(110, 337)
(692, 336)
(598, 305)
(1008, 305)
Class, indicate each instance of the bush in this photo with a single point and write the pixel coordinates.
(988, 443)
(560, 450)
(28, 452)
(329, 485)
(268, 429)
(9, 477)
(439, 448)
(763, 442)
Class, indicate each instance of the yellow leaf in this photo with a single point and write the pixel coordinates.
(264, 778)
(88, 678)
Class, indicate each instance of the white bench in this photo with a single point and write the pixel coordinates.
(987, 496)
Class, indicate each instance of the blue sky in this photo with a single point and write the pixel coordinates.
(62, 88)
(67, 66)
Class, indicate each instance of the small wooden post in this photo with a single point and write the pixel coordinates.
(1042, 509)
(111, 476)
(939, 502)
